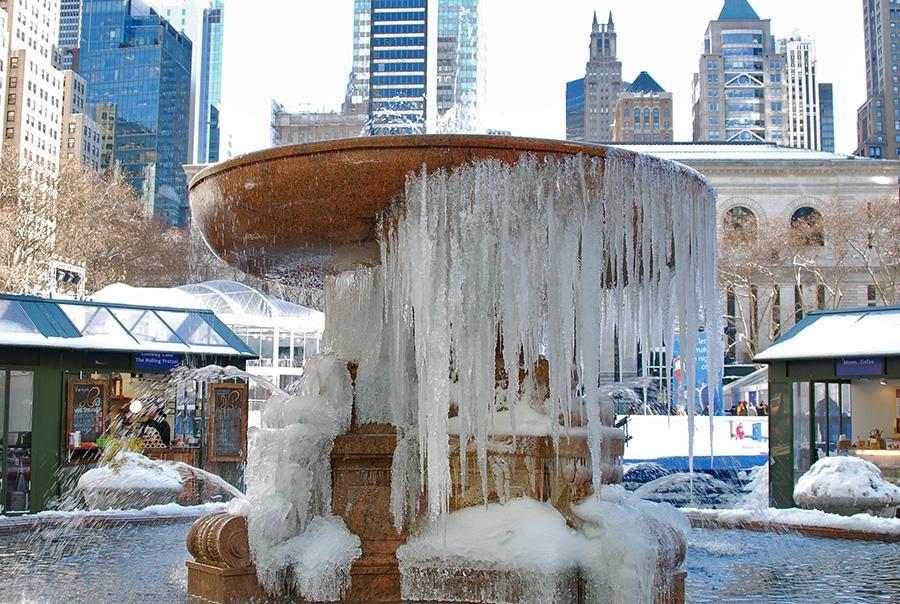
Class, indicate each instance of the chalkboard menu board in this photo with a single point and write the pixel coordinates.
(86, 409)
(228, 422)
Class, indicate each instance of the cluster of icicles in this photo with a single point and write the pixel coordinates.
(553, 259)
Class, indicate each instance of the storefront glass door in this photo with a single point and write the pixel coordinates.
(16, 411)
(821, 416)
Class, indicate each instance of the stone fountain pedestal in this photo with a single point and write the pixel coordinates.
(222, 570)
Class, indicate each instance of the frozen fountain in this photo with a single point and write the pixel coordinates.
(455, 443)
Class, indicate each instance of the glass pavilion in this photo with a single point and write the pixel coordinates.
(50, 347)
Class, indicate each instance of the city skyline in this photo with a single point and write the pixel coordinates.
(538, 107)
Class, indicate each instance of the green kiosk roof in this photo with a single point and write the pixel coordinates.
(30, 321)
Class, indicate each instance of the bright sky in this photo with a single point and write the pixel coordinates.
(299, 52)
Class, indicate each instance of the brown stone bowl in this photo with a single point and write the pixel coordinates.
(281, 213)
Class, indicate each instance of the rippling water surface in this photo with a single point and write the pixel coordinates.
(146, 564)
(742, 566)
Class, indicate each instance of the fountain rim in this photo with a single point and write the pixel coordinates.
(524, 145)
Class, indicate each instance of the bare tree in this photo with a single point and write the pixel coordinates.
(869, 236)
(27, 208)
(820, 252)
(84, 217)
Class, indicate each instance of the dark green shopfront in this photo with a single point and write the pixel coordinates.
(52, 352)
(834, 389)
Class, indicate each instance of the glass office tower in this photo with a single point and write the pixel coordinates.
(575, 110)
(398, 52)
(69, 31)
(137, 65)
(826, 122)
(457, 58)
(208, 132)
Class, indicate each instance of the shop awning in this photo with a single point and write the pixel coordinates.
(864, 332)
(57, 323)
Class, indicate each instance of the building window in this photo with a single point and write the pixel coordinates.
(10, 116)
(872, 295)
(807, 225)
(740, 224)
(820, 297)
(776, 312)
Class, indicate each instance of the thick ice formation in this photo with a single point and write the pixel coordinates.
(756, 492)
(846, 478)
(130, 470)
(554, 260)
(288, 477)
(526, 547)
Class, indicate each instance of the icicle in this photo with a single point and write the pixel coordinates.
(551, 261)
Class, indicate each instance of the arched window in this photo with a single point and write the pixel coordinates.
(807, 225)
(647, 115)
(637, 116)
(740, 223)
(656, 114)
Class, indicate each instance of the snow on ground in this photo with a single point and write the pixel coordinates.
(845, 478)
(660, 436)
(863, 523)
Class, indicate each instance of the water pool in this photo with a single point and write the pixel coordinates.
(146, 563)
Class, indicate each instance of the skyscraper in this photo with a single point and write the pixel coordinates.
(413, 62)
(739, 90)
(69, 32)
(602, 82)
(399, 42)
(202, 21)
(878, 120)
(138, 70)
(457, 60)
(801, 93)
(357, 97)
(81, 135)
(826, 116)
(34, 87)
(210, 95)
(643, 113)
(575, 110)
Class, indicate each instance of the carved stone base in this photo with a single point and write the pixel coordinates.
(223, 585)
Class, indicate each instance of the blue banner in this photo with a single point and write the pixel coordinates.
(701, 385)
(156, 361)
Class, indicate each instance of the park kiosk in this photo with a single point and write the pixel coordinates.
(834, 389)
(72, 373)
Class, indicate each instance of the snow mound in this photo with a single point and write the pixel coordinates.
(845, 478)
(756, 492)
(685, 489)
(319, 559)
(528, 548)
(523, 534)
(131, 470)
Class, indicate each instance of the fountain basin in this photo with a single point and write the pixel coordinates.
(281, 213)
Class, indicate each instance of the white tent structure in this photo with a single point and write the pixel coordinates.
(283, 334)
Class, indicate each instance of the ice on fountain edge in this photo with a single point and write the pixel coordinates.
(558, 257)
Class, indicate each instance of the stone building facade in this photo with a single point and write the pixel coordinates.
(776, 185)
(644, 113)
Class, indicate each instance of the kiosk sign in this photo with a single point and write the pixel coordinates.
(156, 361)
(858, 366)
